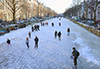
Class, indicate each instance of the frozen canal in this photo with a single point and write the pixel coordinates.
(52, 53)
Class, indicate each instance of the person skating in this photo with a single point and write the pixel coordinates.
(59, 24)
(59, 35)
(8, 42)
(68, 30)
(7, 30)
(55, 34)
(38, 27)
(36, 41)
(75, 54)
(32, 29)
(52, 24)
(29, 34)
(27, 42)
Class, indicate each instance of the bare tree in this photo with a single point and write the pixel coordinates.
(13, 6)
(25, 9)
(92, 5)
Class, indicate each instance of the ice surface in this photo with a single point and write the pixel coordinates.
(52, 53)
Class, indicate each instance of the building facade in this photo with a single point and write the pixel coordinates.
(29, 8)
(85, 12)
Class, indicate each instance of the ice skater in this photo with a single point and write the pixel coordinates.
(8, 42)
(52, 24)
(68, 30)
(32, 29)
(59, 24)
(36, 41)
(29, 34)
(27, 42)
(59, 35)
(75, 54)
(55, 34)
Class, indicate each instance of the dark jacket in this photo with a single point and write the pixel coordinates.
(32, 28)
(75, 54)
(68, 30)
(8, 41)
(36, 39)
(55, 33)
(59, 34)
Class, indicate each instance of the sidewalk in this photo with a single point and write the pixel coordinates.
(88, 27)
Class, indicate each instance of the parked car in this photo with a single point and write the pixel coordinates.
(1, 26)
(1, 20)
(90, 22)
(21, 21)
(32, 19)
(17, 22)
(84, 21)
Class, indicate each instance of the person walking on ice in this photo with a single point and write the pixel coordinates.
(8, 42)
(32, 29)
(75, 54)
(55, 34)
(29, 34)
(36, 41)
(59, 35)
(27, 42)
(68, 30)
(59, 24)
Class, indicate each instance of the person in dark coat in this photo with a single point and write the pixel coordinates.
(36, 41)
(32, 29)
(35, 27)
(27, 42)
(29, 34)
(8, 42)
(59, 24)
(38, 27)
(52, 24)
(75, 54)
(68, 30)
(7, 30)
(59, 35)
(43, 24)
(55, 34)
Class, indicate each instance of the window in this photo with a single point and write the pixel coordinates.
(1, 1)
(1, 7)
(99, 15)
(98, 8)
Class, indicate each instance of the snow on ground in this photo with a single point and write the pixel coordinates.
(52, 53)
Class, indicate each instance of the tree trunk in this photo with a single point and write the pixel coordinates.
(91, 15)
(14, 12)
(94, 16)
(14, 19)
(86, 13)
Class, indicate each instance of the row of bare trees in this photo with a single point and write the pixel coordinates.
(13, 6)
(92, 5)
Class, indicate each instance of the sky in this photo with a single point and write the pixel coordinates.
(58, 6)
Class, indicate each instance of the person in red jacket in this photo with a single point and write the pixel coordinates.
(27, 42)
(29, 34)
